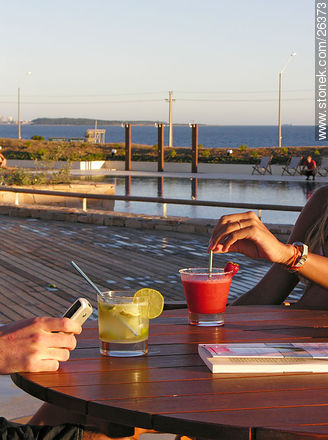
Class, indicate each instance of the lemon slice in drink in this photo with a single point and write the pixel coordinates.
(156, 301)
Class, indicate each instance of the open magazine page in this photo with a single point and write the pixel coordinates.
(265, 357)
(270, 350)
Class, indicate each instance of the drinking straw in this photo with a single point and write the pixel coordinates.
(92, 284)
(210, 264)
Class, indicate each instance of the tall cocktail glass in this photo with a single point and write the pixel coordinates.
(206, 294)
(123, 323)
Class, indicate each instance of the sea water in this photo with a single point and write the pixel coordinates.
(209, 136)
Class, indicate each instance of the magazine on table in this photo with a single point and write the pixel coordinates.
(273, 357)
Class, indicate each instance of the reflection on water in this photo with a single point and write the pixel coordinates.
(160, 186)
(127, 186)
(194, 188)
(276, 193)
(309, 188)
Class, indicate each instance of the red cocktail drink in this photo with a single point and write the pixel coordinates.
(206, 295)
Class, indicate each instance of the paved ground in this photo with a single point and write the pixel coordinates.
(275, 177)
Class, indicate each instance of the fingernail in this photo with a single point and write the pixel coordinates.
(218, 248)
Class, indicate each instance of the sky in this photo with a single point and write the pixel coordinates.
(105, 59)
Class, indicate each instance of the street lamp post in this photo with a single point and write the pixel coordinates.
(18, 107)
(279, 105)
(170, 101)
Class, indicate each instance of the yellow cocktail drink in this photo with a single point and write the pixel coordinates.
(123, 321)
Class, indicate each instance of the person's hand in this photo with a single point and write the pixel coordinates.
(246, 234)
(36, 344)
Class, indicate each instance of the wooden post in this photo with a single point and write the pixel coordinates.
(128, 147)
(160, 166)
(194, 146)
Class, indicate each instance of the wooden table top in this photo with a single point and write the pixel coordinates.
(171, 389)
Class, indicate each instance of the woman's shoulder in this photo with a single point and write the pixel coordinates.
(314, 208)
(318, 202)
(321, 194)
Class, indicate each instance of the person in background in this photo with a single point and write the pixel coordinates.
(3, 160)
(309, 168)
(304, 257)
(40, 344)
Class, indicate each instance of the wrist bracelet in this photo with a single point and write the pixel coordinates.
(300, 256)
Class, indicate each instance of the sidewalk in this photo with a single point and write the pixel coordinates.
(275, 177)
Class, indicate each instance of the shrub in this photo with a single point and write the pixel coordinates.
(36, 137)
(41, 152)
(20, 177)
(20, 155)
(205, 153)
(243, 147)
(172, 154)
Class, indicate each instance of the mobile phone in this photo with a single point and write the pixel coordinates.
(80, 310)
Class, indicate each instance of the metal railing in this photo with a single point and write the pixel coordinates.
(163, 200)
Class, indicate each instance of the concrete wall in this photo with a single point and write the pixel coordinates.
(140, 166)
(125, 220)
(173, 167)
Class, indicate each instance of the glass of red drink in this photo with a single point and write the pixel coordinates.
(206, 294)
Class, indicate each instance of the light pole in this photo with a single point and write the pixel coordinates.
(279, 105)
(170, 101)
(18, 106)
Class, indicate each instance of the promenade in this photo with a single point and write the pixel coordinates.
(224, 172)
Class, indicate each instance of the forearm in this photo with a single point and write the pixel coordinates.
(316, 269)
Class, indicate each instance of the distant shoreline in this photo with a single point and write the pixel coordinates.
(209, 136)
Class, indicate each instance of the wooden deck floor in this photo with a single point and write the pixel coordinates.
(36, 254)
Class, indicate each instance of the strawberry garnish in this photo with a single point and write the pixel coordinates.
(231, 267)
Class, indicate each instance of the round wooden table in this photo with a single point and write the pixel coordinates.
(171, 389)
